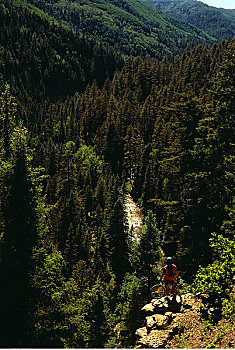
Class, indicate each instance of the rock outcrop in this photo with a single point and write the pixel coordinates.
(163, 320)
(133, 215)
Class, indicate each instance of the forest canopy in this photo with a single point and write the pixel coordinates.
(80, 127)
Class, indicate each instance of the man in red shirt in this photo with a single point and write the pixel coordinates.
(171, 274)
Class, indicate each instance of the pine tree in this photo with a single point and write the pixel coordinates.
(118, 242)
(209, 186)
(7, 119)
(148, 249)
(114, 149)
(20, 233)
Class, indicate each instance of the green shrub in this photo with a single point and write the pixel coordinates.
(215, 279)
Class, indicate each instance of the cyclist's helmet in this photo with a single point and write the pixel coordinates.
(169, 260)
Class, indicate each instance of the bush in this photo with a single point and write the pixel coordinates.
(215, 279)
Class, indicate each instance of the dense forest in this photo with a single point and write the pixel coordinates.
(80, 127)
(132, 27)
(42, 59)
(219, 23)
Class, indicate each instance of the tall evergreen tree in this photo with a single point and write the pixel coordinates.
(7, 119)
(148, 248)
(118, 242)
(114, 149)
(20, 233)
(209, 186)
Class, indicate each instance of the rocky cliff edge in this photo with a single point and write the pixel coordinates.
(164, 319)
(177, 323)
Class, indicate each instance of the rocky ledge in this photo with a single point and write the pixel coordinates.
(163, 320)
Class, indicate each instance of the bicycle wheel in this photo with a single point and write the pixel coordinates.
(157, 291)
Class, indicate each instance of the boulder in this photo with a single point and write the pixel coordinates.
(141, 332)
(155, 339)
(163, 305)
(188, 300)
(157, 321)
(148, 309)
(162, 320)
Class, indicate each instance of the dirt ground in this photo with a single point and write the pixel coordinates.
(196, 335)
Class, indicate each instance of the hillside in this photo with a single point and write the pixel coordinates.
(177, 323)
(107, 166)
(43, 59)
(217, 22)
(132, 27)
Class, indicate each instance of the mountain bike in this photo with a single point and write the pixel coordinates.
(158, 290)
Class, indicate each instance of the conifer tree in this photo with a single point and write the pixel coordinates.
(209, 185)
(118, 242)
(148, 250)
(20, 233)
(7, 119)
(132, 295)
(114, 149)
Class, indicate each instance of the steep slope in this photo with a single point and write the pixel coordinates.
(166, 125)
(216, 22)
(177, 323)
(41, 58)
(133, 27)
